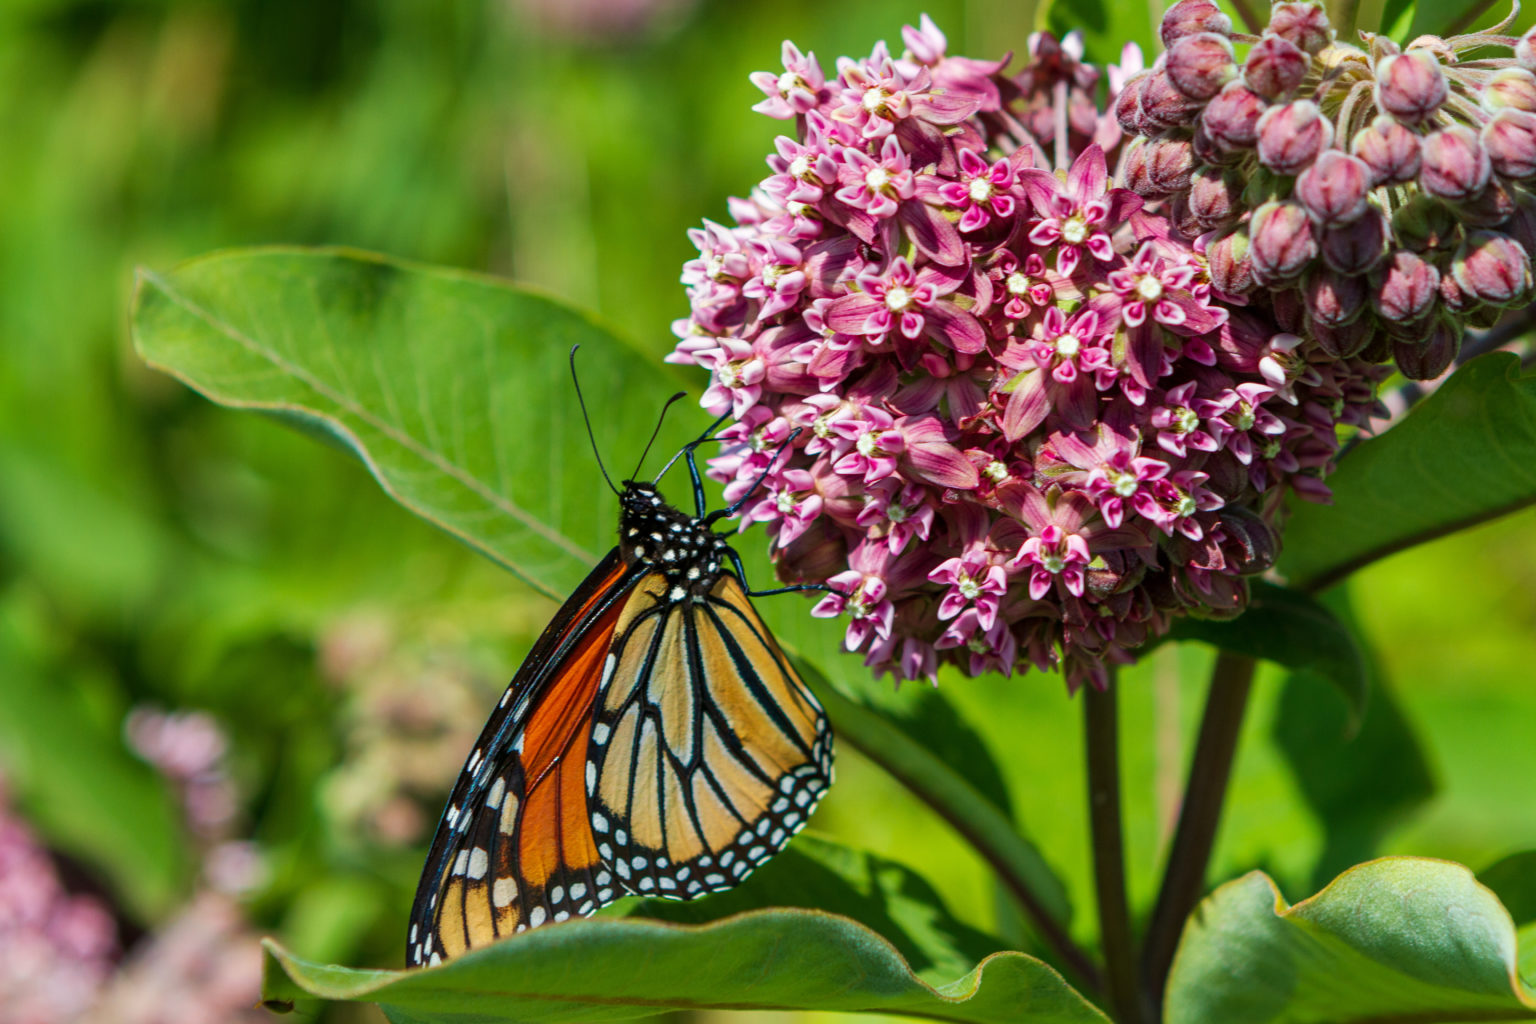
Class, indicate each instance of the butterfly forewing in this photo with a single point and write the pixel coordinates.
(655, 742)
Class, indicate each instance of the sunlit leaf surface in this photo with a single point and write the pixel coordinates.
(1397, 939)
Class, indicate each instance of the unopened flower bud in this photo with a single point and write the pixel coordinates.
(1163, 106)
(1215, 196)
(1389, 150)
(1170, 162)
(1282, 242)
(1199, 65)
(1292, 136)
(1456, 166)
(1424, 223)
(1358, 246)
(1511, 88)
(1289, 310)
(1411, 86)
(1275, 67)
(1251, 545)
(1128, 104)
(1346, 340)
(1134, 171)
(1432, 356)
(1405, 288)
(1334, 188)
(1232, 118)
(1333, 299)
(1525, 50)
(1304, 25)
(1493, 267)
(1453, 299)
(1190, 17)
(1490, 209)
(1510, 141)
(1230, 263)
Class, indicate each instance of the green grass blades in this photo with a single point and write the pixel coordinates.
(1465, 455)
(454, 389)
(607, 969)
(1396, 939)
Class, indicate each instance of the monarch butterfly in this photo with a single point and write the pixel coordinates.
(655, 742)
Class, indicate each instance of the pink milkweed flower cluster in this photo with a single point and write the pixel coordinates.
(57, 948)
(995, 402)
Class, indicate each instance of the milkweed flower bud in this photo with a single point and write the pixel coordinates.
(1512, 88)
(1304, 25)
(1163, 105)
(1292, 136)
(1431, 356)
(1410, 86)
(1494, 268)
(1199, 65)
(1510, 142)
(1405, 288)
(1170, 162)
(1424, 223)
(1525, 50)
(1334, 188)
(1275, 67)
(1215, 196)
(1456, 166)
(1358, 246)
(1345, 340)
(1192, 17)
(1232, 118)
(1231, 263)
(1333, 299)
(1389, 150)
(1282, 242)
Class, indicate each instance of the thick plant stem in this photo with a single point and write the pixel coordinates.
(1184, 877)
(1101, 732)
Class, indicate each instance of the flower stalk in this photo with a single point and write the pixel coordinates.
(1102, 739)
(1199, 817)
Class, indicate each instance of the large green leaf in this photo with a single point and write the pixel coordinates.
(889, 898)
(1397, 939)
(452, 388)
(615, 969)
(1291, 629)
(1465, 455)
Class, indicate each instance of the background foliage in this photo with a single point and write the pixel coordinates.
(158, 551)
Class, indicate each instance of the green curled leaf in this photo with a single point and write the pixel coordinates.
(1397, 939)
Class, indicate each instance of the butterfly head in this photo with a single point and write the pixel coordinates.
(681, 547)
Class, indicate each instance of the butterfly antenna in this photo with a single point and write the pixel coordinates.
(654, 434)
(588, 421)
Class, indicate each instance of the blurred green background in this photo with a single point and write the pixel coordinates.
(157, 552)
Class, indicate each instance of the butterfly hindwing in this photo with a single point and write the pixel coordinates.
(708, 753)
